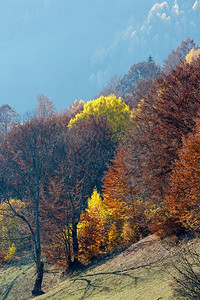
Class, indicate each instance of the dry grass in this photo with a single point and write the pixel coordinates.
(138, 273)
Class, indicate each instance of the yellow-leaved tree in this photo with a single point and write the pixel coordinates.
(11, 230)
(116, 112)
(92, 230)
(192, 55)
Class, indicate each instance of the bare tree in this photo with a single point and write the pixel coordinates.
(178, 55)
(185, 269)
(8, 117)
(112, 87)
(133, 86)
(45, 107)
(26, 158)
(75, 108)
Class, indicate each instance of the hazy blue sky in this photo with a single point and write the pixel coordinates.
(68, 49)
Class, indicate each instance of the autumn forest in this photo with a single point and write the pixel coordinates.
(100, 175)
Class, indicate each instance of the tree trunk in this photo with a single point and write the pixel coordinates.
(40, 271)
(75, 264)
(39, 264)
(38, 282)
(68, 252)
(74, 239)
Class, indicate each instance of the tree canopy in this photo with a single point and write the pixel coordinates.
(113, 109)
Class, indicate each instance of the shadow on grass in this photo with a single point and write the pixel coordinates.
(90, 279)
(5, 296)
(90, 287)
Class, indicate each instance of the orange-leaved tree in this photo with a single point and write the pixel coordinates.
(125, 209)
(183, 199)
(166, 116)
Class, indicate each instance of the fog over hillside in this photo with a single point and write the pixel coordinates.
(69, 50)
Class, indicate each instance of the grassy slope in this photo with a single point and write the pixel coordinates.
(137, 273)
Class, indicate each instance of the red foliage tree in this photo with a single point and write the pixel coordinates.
(183, 199)
(125, 209)
(178, 55)
(85, 150)
(139, 91)
(164, 117)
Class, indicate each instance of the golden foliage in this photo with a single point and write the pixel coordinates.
(192, 55)
(114, 110)
(10, 253)
(92, 231)
(10, 228)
